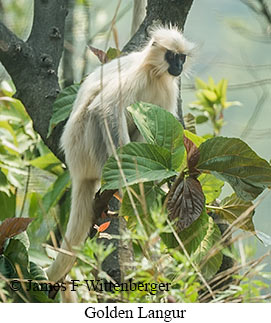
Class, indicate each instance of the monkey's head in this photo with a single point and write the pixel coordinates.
(167, 52)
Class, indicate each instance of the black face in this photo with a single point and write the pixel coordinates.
(175, 62)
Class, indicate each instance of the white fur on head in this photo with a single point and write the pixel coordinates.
(163, 39)
(171, 38)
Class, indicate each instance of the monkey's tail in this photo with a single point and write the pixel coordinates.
(80, 222)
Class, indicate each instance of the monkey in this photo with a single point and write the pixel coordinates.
(149, 75)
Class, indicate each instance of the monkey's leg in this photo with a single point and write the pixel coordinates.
(80, 221)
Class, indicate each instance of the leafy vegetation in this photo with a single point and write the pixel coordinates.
(32, 189)
(211, 103)
(170, 187)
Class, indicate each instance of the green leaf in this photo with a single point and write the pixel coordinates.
(11, 161)
(211, 83)
(7, 205)
(211, 111)
(63, 105)
(8, 136)
(4, 186)
(233, 161)
(197, 140)
(15, 112)
(209, 264)
(24, 140)
(191, 236)
(17, 254)
(56, 191)
(6, 268)
(23, 238)
(16, 177)
(211, 96)
(39, 297)
(65, 207)
(48, 162)
(140, 162)
(211, 187)
(34, 203)
(200, 84)
(143, 203)
(232, 207)
(159, 127)
(222, 88)
(204, 102)
(201, 119)
(113, 53)
(36, 272)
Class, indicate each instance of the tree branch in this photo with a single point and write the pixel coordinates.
(11, 48)
(166, 12)
(47, 33)
(33, 64)
(68, 74)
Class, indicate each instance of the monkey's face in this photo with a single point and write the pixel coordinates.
(175, 62)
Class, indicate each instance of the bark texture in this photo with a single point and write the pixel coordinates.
(33, 64)
(164, 12)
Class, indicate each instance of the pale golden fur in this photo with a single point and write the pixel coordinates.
(139, 76)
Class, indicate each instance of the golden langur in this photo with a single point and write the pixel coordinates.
(150, 75)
